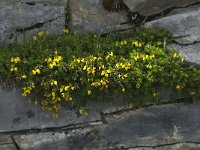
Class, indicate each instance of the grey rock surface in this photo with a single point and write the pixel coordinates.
(186, 31)
(191, 53)
(18, 113)
(42, 141)
(6, 143)
(153, 126)
(168, 126)
(24, 18)
(153, 7)
(90, 16)
(179, 146)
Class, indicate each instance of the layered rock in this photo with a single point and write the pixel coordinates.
(164, 127)
(186, 31)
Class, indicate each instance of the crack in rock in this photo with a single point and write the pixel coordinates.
(37, 25)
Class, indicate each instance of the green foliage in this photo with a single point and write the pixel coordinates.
(57, 71)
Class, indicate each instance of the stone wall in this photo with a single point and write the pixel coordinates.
(22, 19)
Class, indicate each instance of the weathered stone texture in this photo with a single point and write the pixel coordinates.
(186, 31)
(21, 19)
(90, 16)
(153, 7)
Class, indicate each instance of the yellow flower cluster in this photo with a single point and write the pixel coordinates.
(83, 112)
(53, 62)
(13, 69)
(40, 34)
(143, 57)
(27, 90)
(100, 83)
(109, 55)
(122, 76)
(137, 44)
(65, 92)
(54, 82)
(125, 66)
(15, 60)
(106, 72)
(36, 71)
(121, 43)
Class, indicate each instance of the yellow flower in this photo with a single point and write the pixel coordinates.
(149, 66)
(116, 43)
(179, 87)
(51, 65)
(86, 113)
(82, 60)
(192, 93)
(111, 54)
(34, 38)
(155, 94)
(67, 88)
(40, 34)
(127, 68)
(38, 71)
(15, 60)
(23, 77)
(54, 83)
(66, 31)
(47, 32)
(78, 61)
(80, 111)
(89, 92)
(58, 59)
(125, 42)
(13, 69)
(85, 67)
(175, 55)
(123, 89)
(61, 89)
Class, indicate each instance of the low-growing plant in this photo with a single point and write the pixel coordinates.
(71, 69)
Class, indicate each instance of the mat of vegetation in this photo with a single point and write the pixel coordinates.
(69, 70)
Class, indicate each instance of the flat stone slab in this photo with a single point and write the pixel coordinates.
(170, 126)
(152, 126)
(18, 113)
(90, 16)
(186, 31)
(152, 7)
(23, 18)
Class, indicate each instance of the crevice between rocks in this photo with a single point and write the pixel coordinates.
(36, 25)
(188, 100)
(139, 20)
(64, 128)
(30, 3)
(15, 143)
(122, 147)
(185, 44)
